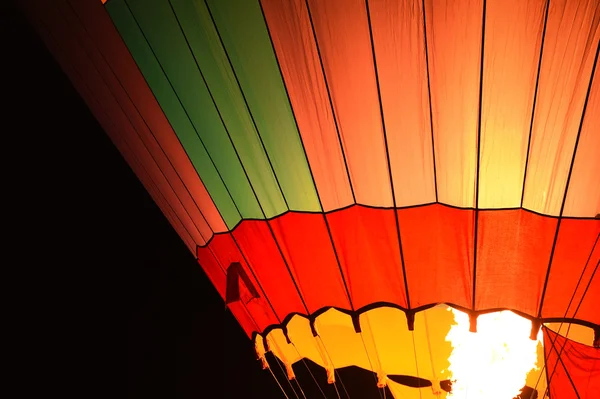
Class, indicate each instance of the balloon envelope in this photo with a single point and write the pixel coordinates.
(377, 157)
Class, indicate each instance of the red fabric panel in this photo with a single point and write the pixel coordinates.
(513, 251)
(226, 252)
(581, 362)
(107, 40)
(574, 245)
(438, 254)
(306, 245)
(367, 246)
(213, 270)
(217, 276)
(259, 248)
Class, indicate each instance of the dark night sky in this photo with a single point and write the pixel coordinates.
(135, 308)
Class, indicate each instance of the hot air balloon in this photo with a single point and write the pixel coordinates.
(411, 187)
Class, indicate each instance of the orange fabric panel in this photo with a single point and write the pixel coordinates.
(438, 254)
(293, 40)
(367, 246)
(307, 247)
(260, 250)
(573, 368)
(342, 31)
(454, 45)
(513, 250)
(107, 41)
(225, 250)
(513, 37)
(576, 240)
(400, 53)
(572, 37)
(583, 197)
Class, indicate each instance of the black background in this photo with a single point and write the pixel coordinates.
(120, 306)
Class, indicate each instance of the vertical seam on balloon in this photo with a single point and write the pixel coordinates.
(165, 115)
(244, 169)
(333, 113)
(537, 81)
(339, 264)
(475, 240)
(239, 85)
(217, 170)
(562, 207)
(114, 125)
(180, 102)
(387, 153)
(430, 100)
(140, 114)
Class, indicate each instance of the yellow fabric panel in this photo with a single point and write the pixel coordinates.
(343, 345)
(277, 343)
(422, 352)
(583, 335)
(301, 336)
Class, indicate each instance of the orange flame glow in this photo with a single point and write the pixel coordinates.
(492, 363)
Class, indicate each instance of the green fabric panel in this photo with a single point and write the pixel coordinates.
(242, 28)
(163, 32)
(150, 68)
